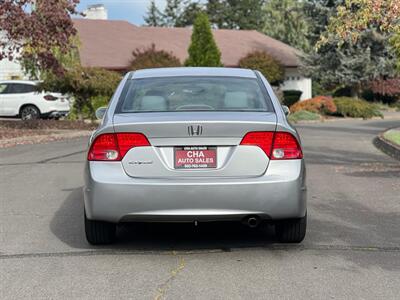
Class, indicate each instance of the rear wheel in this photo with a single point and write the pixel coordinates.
(30, 112)
(291, 231)
(99, 232)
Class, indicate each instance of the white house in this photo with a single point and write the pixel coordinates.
(295, 81)
(10, 69)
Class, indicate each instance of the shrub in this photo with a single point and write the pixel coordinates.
(83, 84)
(290, 97)
(304, 115)
(319, 104)
(88, 111)
(266, 64)
(203, 51)
(396, 106)
(152, 58)
(356, 108)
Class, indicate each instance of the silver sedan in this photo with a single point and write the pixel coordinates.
(194, 145)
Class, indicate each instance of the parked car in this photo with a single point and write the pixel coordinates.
(194, 145)
(23, 99)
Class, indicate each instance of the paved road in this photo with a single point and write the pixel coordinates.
(352, 249)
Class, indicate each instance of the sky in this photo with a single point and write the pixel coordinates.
(129, 10)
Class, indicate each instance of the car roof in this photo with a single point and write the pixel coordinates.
(193, 71)
(20, 82)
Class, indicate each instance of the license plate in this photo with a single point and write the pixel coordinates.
(195, 157)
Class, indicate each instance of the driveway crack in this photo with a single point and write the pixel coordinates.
(162, 288)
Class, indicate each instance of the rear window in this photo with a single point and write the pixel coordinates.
(20, 88)
(173, 94)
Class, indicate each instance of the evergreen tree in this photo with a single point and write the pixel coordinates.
(285, 21)
(236, 14)
(189, 13)
(353, 63)
(317, 14)
(154, 16)
(172, 11)
(203, 51)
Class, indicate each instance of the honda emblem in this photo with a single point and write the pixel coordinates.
(195, 130)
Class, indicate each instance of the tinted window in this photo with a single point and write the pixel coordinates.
(18, 88)
(172, 94)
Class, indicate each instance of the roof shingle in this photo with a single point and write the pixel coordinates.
(109, 44)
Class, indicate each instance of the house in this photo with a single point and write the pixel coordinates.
(10, 69)
(109, 44)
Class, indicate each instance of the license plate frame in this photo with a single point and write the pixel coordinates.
(192, 161)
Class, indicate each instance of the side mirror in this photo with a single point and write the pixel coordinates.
(286, 110)
(100, 112)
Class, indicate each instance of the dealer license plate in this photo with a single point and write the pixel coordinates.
(190, 157)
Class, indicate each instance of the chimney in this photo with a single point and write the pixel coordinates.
(96, 12)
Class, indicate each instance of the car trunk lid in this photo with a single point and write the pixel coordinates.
(207, 144)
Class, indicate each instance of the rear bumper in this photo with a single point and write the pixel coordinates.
(111, 195)
(56, 114)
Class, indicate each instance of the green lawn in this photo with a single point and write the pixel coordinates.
(393, 135)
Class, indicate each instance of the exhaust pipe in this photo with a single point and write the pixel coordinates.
(253, 222)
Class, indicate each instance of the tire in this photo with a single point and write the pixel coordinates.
(291, 231)
(99, 232)
(30, 112)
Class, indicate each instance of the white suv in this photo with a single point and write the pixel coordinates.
(23, 99)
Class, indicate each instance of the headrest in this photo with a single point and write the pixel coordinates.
(236, 100)
(153, 103)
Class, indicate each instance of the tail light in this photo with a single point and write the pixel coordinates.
(114, 146)
(50, 98)
(276, 145)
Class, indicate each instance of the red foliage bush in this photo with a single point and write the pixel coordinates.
(318, 104)
(388, 87)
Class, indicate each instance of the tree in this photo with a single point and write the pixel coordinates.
(353, 64)
(234, 14)
(285, 21)
(152, 58)
(264, 63)
(354, 17)
(317, 14)
(203, 51)
(338, 62)
(154, 16)
(172, 11)
(83, 84)
(37, 27)
(189, 13)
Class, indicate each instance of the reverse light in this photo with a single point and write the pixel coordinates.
(114, 146)
(276, 145)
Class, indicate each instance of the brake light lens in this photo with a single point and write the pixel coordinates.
(50, 98)
(262, 139)
(127, 141)
(286, 146)
(114, 146)
(276, 145)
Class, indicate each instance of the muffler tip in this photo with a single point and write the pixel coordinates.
(253, 222)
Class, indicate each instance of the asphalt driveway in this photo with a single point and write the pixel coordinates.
(352, 249)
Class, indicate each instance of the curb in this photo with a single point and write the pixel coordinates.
(59, 135)
(386, 146)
